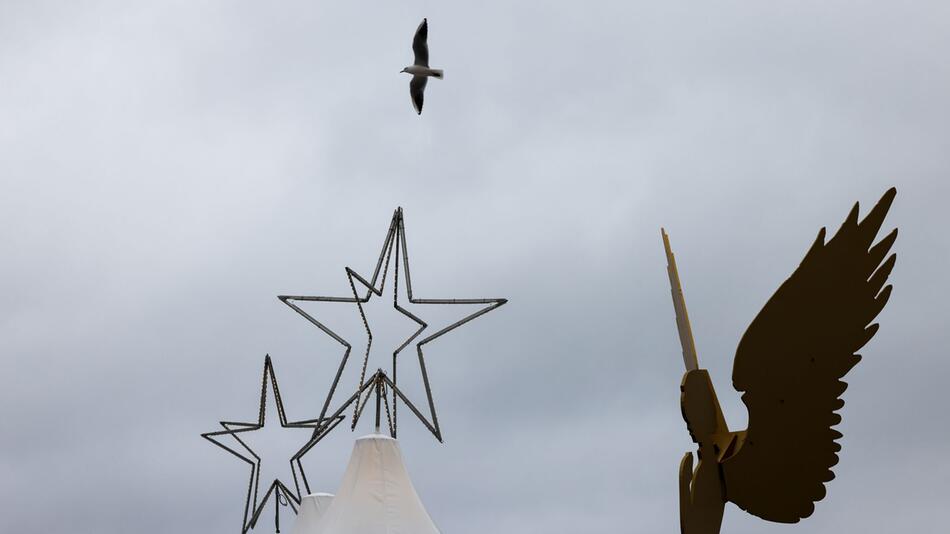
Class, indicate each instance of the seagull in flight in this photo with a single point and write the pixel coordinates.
(420, 68)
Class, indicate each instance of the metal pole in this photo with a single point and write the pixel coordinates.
(378, 394)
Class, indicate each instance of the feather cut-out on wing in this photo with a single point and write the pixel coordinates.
(790, 363)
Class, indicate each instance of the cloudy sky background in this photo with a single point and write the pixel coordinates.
(167, 169)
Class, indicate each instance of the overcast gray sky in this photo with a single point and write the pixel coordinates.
(167, 169)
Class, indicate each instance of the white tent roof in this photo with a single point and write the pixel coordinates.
(376, 495)
(312, 508)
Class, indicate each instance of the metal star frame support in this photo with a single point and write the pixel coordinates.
(253, 507)
(394, 243)
(380, 385)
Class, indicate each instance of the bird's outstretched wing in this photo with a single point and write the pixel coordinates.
(417, 90)
(419, 46)
(790, 363)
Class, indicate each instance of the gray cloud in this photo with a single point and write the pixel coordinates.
(167, 170)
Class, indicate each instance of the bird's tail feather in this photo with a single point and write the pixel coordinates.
(437, 73)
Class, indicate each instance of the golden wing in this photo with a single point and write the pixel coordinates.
(789, 366)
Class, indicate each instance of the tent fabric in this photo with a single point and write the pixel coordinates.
(312, 508)
(376, 495)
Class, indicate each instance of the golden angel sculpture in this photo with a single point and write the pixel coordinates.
(789, 368)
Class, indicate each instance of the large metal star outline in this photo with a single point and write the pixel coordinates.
(394, 244)
(253, 508)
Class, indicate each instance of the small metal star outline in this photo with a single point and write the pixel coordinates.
(252, 510)
(395, 242)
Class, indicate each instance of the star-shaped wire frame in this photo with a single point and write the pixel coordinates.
(395, 243)
(253, 507)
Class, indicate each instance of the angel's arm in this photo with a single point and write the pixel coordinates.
(686, 500)
(701, 499)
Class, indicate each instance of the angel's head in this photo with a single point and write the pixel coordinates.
(700, 405)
